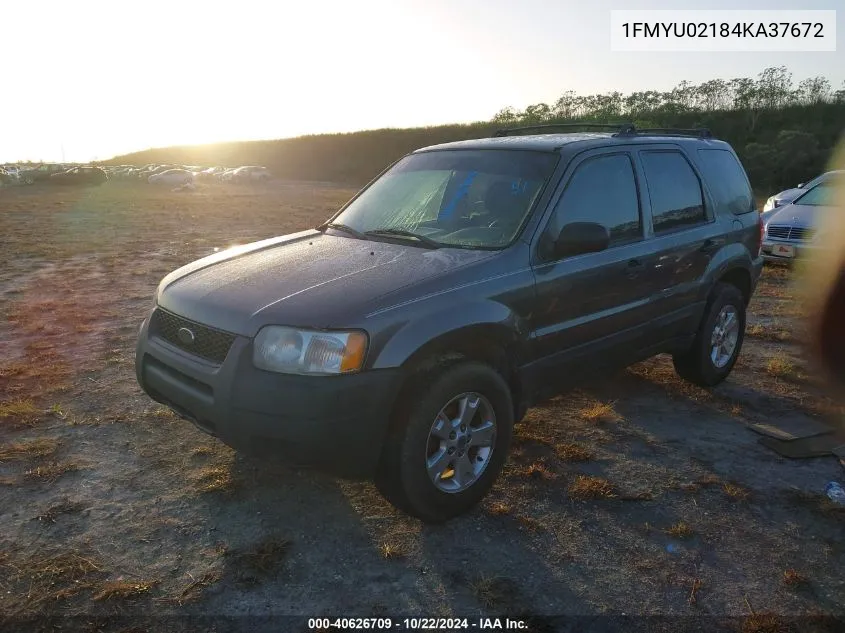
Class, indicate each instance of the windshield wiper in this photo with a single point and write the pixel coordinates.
(342, 227)
(430, 243)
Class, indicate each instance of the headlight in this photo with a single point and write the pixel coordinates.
(765, 217)
(294, 351)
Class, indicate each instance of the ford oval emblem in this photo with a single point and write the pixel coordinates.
(185, 336)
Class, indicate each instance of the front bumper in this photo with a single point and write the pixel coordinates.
(800, 249)
(336, 423)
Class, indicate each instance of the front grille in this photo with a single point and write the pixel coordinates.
(208, 343)
(784, 232)
(799, 233)
(779, 232)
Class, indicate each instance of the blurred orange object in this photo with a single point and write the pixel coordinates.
(822, 283)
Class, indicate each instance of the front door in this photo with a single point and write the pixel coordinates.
(589, 307)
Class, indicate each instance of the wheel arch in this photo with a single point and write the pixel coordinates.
(739, 277)
(493, 344)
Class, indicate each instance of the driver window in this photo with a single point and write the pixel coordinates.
(602, 190)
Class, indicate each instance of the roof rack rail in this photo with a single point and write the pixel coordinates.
(619, 128)
(700, 132)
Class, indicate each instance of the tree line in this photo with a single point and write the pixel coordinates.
(774, 88)
(783, 131)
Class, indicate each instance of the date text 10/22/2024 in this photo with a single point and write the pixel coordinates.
(417, 624)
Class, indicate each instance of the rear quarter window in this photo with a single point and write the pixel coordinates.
(727, 181)
(677, 202)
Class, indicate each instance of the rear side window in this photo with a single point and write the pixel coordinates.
(602, 190)
(727, 181)
(675, 191)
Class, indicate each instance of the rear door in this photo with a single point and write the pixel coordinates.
(686, 235)
(590, 306)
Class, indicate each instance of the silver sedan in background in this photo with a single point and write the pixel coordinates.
(790, 230)
(788, 195)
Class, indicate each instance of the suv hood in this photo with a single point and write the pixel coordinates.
(306, 279)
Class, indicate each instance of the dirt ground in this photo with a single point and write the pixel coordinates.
(640, 496)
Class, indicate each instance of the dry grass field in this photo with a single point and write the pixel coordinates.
(640, 495)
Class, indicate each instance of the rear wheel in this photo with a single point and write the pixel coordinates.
(718, 341)
(449, 442)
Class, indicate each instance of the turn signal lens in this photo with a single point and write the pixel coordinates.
(353, 355)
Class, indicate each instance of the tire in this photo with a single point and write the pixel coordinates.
(403, 476)
(697, 365)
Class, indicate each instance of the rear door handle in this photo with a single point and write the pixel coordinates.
(711, 244)
(634, 268)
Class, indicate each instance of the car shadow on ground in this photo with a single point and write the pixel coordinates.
(672, 460)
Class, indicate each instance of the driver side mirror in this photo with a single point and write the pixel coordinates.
(578, 238)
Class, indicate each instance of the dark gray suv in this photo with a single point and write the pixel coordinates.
(403, 339)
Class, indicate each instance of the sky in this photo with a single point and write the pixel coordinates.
(88, 80)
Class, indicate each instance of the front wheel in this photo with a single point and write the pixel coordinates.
(718, 341)
(448, 443)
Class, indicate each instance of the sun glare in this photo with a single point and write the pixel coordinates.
(190, 72)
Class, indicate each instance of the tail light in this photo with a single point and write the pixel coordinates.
(762, 231)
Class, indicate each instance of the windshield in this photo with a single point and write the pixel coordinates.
(818, 196)
(462, 198)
